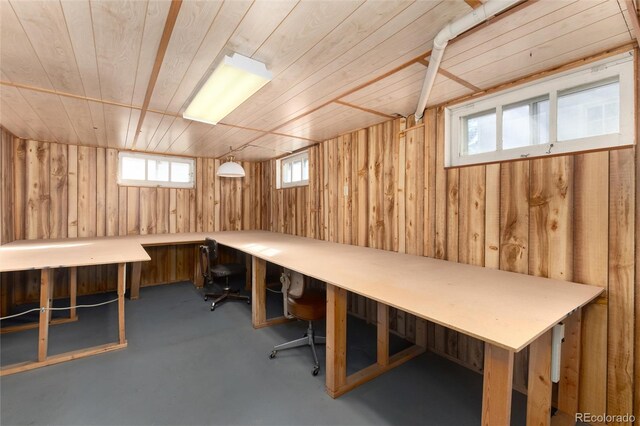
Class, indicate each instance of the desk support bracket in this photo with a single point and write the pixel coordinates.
(46, 292)
(337, 381)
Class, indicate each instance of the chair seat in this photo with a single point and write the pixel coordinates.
(226, 269)
(311, 306)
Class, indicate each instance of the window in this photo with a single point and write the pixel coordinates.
(293, 170)
(137, 169)
(581, 110)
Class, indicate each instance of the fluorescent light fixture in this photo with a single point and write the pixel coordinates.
(230, 169)
(230, 84)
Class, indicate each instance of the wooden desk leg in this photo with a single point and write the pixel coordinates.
(136, 273)
(122, 285)
(73, 292)
(336, 346)
(497, 386)
(539, 389)
(383, 334)
(46, 278)
(52, 281)
(258, 291)
(248, 260)
(570, 365)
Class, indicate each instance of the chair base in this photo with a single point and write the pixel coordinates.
(310, 339)
(218, 298)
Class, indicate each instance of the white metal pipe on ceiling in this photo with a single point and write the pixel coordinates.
(450, 31)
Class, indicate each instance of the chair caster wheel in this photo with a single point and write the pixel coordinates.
(206, 298)
(248, 301)
(315, 371)
(213, 307)
(272, 355)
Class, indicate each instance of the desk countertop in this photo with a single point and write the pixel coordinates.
(507, 309)
(40, 254)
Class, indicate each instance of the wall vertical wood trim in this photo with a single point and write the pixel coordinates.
(101, 196)
(636, 405)
(591, 245)
(7, 229)
(19, 188)
(58, 190)
(401, 181)
(72, 191)
(111, 227)
(621, 295)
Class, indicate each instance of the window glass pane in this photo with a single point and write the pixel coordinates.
(297, 171)
(158, 170)
(525, 124)
(286, 173)
(305, 169)
(132, 168)
(589, 112)
(180, 172)
(480, 133)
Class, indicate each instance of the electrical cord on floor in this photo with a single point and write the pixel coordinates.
(66, 308)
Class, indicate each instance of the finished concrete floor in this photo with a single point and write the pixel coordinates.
(186, 365)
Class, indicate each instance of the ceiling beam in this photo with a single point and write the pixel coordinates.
(452, 76)
(635, 21)
(169, 24)
(473, 3)
(371, 111)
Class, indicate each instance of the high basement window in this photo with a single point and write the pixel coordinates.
(586, 109)
(136, 169)
(293, 170)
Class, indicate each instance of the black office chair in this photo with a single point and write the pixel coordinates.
(212, 271)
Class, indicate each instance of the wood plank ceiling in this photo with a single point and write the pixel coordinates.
(82, 72)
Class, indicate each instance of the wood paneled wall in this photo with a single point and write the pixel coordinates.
(6, 186)
(570, 217)
(51, 190)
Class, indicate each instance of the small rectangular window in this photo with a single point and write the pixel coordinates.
(137, 169)
(584, 109)
(525, 123)
(480, 133)
(589, 111)
(293, 170)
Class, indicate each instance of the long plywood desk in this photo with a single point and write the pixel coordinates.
(507, 311)
(48, 255)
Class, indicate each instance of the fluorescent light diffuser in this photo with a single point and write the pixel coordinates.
(230, 84)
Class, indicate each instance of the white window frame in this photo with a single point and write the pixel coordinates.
(151, 183)
(620, 66)
(290, 160)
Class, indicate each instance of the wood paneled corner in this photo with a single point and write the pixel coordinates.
(569, 217)
(51, 190)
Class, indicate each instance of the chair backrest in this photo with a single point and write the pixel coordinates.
(297, 286)
(213, 248)
(205, 263)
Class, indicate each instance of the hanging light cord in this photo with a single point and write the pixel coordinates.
(66, 308)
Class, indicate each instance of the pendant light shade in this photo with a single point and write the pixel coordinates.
(230, 169)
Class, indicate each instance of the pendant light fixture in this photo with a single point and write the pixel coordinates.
(230, 168)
